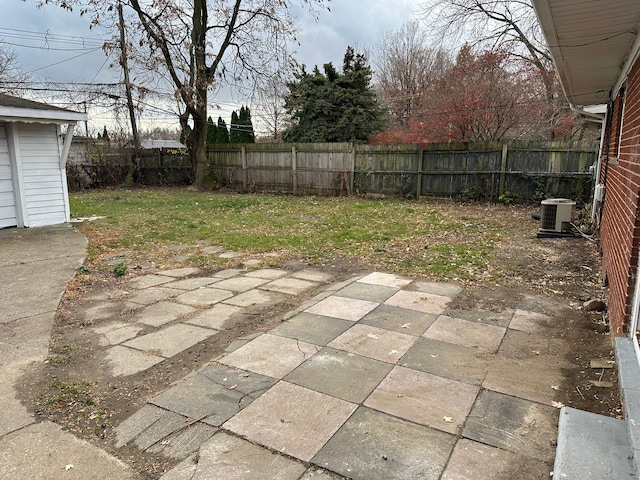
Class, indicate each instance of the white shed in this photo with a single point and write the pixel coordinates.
(33, 157)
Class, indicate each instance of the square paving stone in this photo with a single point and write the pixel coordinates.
(485, 338)
(218, 317)
(499, 319)
(119, 335)
(531, 322)
(267, 273)
(437, 288)
(291, 419)
(240, 283)
(367, 291)
(374, 342)
(228, 273)
(289, 286)
(214, 394)
(180, 272)
(146, 281)
(136, 423)
(162, 312)
(270, 355)
(424, 398)
(157, 432)
(523, 345)
(184, 442)
(153, 295)
(340, 374)
(171, 340)
(422, 302)
(530, 378)
(127, 361)
(313, 275)
(514, 424)
(399, 319)
(255, 298)
(192, 283)
(316, 329)
(386, 279)
(447, 360)
(345, 308)
(203, 297)
(226, 457)
(474, 461)
(373, 445)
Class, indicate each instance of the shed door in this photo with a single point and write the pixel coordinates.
(8, 213)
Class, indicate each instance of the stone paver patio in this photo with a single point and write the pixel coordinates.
(375, 379)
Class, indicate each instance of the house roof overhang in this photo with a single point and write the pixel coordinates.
(14, 109)
(594, 44)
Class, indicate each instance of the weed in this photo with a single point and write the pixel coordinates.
(120, 269)
(83, 269)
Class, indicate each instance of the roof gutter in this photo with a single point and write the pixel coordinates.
(592, 117)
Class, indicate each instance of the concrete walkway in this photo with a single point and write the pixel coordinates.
(375, 378)
(35, 265)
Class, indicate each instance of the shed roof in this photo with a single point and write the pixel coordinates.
(14, 109)
(594, 43)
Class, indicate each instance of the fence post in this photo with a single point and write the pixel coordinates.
(503, 169)
(294, 167)
(420, 166)
(245, 173)
(352, 179)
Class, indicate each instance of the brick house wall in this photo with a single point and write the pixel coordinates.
(620, 227)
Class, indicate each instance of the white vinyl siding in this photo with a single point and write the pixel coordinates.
(8, 212)
(43, 179)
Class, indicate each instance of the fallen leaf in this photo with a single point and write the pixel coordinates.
(557, 404)
(535, 352)
(68, 467)
(448, 419)
(555, 387)
(400, 395)
(232, 387)
(406, 325)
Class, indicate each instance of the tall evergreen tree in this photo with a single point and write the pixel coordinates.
(235, 129)
(332, 106)
(247, 135)
(211, 131)
(222, 134)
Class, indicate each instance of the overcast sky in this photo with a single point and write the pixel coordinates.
(23, 25)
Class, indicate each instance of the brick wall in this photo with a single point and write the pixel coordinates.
(620, 228)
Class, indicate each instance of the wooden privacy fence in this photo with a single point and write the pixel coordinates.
(510, 171)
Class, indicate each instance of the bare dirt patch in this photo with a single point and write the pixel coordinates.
(74, 389)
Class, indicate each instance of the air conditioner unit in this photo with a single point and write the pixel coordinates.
(556, 215)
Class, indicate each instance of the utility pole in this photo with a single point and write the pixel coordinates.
(127, 83)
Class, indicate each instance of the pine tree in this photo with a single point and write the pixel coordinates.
(222, 134)
(235, 129)
(247, 133)
(332, 106)
(212, 130)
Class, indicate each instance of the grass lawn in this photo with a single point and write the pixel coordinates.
(431, 238)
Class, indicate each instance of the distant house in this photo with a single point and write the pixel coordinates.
(33, 156)
(150, 144)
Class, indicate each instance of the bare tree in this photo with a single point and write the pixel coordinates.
(12, 77)
(270, 105)
(199, 45)
(507, 25)
(406, 69)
